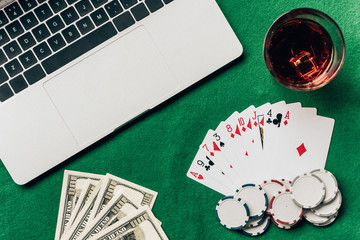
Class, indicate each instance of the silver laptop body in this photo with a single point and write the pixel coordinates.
(141, 66)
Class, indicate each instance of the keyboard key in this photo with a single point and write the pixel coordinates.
(27, 5)
(69, 15)
(139, 11)
(3, 76)
(128, 3)
(85, 25)
(41, 1)
(14, 29)
(26, 41)
(3, 19)
(98, 3)
(123, 21)
(5, 92)
(13, 67)
(56, 42)
(41, 32)
(71, 34)
(113, 8)
(34, 74)
(167, 1)
(79, 47)
(55, 24)
(83, 7)
(13, 11)
(18, 84)
(12, 49)
(57, 5)
(43, 12)
(29, 21)
(154, 5)
(4, 38)
(27, 59)
(99, 16)
(71, 1)
(42, 50)
(3, 58)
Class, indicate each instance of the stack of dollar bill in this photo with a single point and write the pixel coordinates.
(95, 206)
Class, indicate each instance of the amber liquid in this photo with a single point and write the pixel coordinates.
(300, 51)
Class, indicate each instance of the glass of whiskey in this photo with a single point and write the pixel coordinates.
(304, 49)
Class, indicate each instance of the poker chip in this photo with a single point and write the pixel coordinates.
(327, 223)
(284, 210)
(307, 190)
(259, 229)
(255, 197)
(271, 188)
(282, 226)
(330, 183)
(329, 209)
(233, 213)
(313, 218)
(253, 222)
(287, 183)
(286, 199)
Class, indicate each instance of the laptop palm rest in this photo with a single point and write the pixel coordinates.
(111, 86)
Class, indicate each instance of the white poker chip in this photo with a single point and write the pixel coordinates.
(259, 229)
(327, 223)
(330, 183)
(232, 213)
(307, 190)
(313, 218)
(287, 183)
(329, 209)
(284, 210)
(255, 198)
(271, 188)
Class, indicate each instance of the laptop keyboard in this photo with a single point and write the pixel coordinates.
(37, 37)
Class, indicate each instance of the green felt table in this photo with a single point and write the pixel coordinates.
(157, 149)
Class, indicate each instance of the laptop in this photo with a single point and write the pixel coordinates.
(73, 71)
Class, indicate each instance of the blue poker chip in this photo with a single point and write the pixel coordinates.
(259, 229)
(232, 212)
(255, 198)
(253, 222)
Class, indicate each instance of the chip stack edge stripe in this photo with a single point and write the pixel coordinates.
(253, 234)
(334, 193)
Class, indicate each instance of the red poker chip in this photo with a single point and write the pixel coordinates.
(287, 183)
(282, 226)
(271, 188)
(284, 210)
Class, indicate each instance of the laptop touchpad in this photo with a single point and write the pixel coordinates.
(112, 86)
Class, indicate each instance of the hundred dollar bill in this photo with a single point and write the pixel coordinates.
(119, 207)
(112, 184)
(89, 187)
(73, 184)
(139, 225)
(82, 219)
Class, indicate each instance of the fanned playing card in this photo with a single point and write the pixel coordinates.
(202, 171)
(271, 141)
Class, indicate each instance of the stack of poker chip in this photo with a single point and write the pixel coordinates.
(245, 211)
(324, 208)
(314, 196)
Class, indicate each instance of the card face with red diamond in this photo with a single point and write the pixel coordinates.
(270, 141)
(295, 140)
